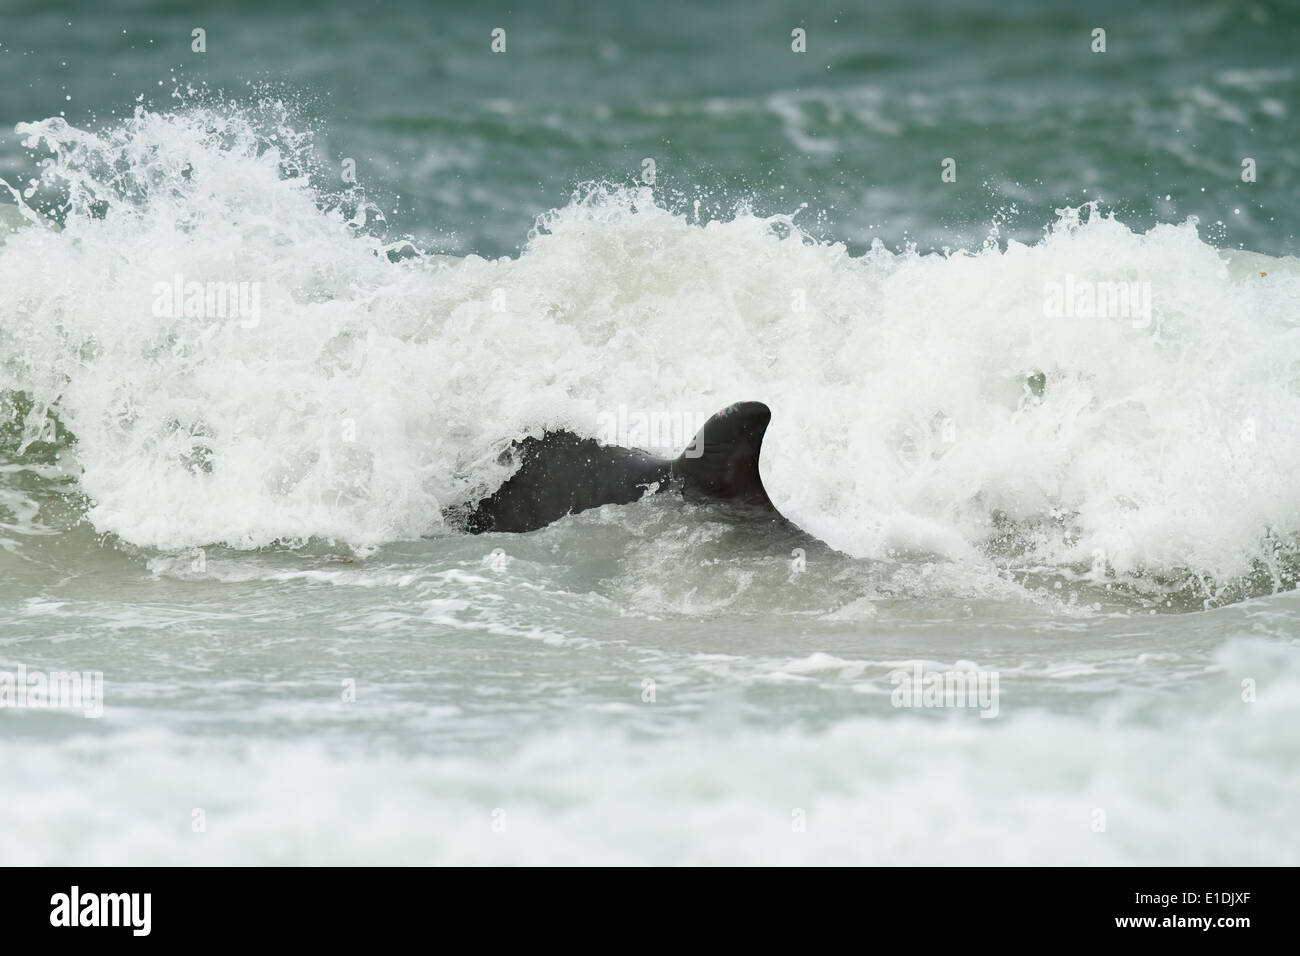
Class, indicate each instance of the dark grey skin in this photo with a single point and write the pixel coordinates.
(561, 474)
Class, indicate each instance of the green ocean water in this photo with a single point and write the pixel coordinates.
(463, 147)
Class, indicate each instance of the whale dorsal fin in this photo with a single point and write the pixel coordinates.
(721, 462)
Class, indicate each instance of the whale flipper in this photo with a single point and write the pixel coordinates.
(561, 473)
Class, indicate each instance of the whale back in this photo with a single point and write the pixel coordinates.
(561, 473)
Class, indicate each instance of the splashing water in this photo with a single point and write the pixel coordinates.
(922, 403)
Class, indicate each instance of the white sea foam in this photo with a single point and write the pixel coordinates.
(1206, 781)
(373, 393)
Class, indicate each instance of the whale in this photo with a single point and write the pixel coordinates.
(561, 474)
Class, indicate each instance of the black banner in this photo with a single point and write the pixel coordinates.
(331, 906)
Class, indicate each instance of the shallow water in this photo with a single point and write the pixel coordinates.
(236, 518)
(520, 695)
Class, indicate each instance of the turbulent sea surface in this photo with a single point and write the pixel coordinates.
(237, 519)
